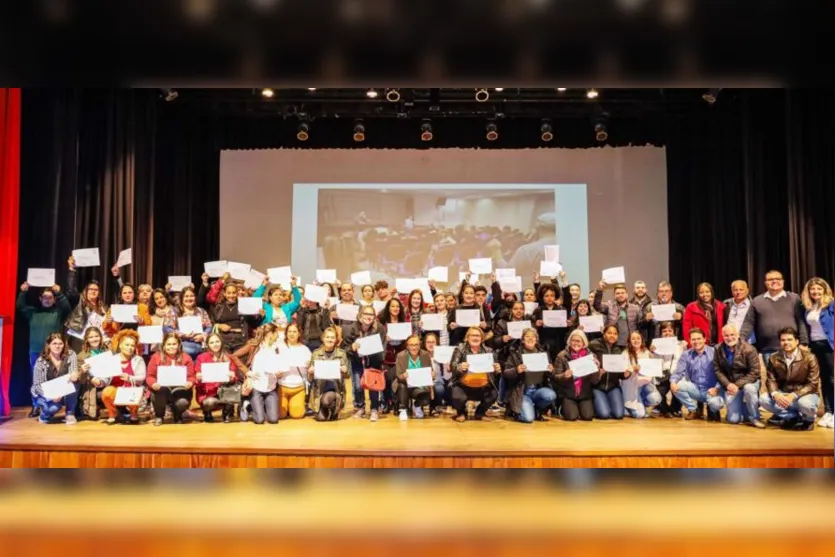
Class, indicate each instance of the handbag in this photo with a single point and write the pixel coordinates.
(229, 394)
(373, 379)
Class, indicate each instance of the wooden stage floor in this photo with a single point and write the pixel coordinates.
(428, 443)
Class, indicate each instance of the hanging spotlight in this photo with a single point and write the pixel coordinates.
(562, 89)
(359, 131)
(499, 89)
(303, 132)
(546, 132)
(711, 95)
(492, 131)
(169, 94)
(426, 131)
(481, 95)
(267, 93)
(600, 132)
(371, 93)
(392, 95)
(592, 93)
(311, 88)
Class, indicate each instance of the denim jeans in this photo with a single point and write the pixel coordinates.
(442, 393)
(609, 404)
(649, 397)
(744, 405)
(33, 357)
(264, 405)
(806, 407)
(356, 378)
(49, 407)
(690, 394)
(535, 400)
(193, 349)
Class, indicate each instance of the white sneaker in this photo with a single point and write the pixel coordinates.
(374, 416)
(826, 420)
(70, 420)
(830, 423)
(403, 416)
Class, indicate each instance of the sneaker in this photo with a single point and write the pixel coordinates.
(309, 412)
(775, 421)
(41, 420)
(70, 420)
(245, 408)
(418, 413)
(157, 422)
(826, 420)
(713, 416)
(403, 416)
(803, 425)
(360, 413)
(110, 421)
(374, 416)
(831, 423)
(34, 413)
(759, 424)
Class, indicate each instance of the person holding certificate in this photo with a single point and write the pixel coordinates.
(575, 392)
(442, 375)
(664, 298)
(529, 396)
(392, 313)
(260, 369)
(207, 393)
(638, 391)
(89, 310)
(673, 407)
(608, 396)
(124, 343)
(163, 392)
(90, 387)
(366, 327)
(470, 383)
(442, 310)
(127, 296)
(163, 313)
(192, 341)
(618, 312)
(552, 338)
(277, 309)
(56, 360)
(415, 308)
(413, 358)
(292, 384)
(706, 313)
(331, 392)
(503, 341)
(467, 300)
(232, 326)
(583, 309)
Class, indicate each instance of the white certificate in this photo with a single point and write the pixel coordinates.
(266, 362)
(86, 257)
(536, 362)
(316, 293)
(651, 367)
(129, 396)
(347, 312)
(280, 275)
(370, 345)
(178, 282)
(255, 279)
(214, 372)
(554, 318)
(432, 321)
(215, 268)
(591, 323)
(419, 377)
(105, 365)
(665, 346)
(378, 305)
(467, 317)
(443, 354)
(422, 284)
(583, 366)
(124, 313)
(238, 271)
(513, 284)
(125, 257)
(480, 363)
(171, 376)
(151, 334)
(249, 306)
(552, 253)
(505, 274)
(327, 370)
(59, 387)
(481, 266)
(41, 277)
(399, 331)
(516, 328)
(663, 312)
(549, 268)
(361, 278)
(190, 325)
(439, 274)
(615, 275)
(530, 307)
(325, 275)
(614, 363)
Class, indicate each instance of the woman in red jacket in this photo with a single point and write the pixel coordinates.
(706, 313)
(206, 393)
(178, 397)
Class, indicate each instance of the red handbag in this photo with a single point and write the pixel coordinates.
(373, 379)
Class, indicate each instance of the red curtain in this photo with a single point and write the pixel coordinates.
(9, 229)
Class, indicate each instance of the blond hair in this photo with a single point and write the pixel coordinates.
(826, 299)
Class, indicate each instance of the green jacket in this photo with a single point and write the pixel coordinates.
(43, 321)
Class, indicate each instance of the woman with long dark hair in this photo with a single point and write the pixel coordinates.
(207, 394)
(89, 311)
(260, 369)
(56, 360)
(178, 398)
(393, 312)
(192, 342)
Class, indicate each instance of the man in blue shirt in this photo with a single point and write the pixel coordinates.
(694, 379)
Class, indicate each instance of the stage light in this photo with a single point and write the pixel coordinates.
(303, 132)
(499, 89)
(492, 131)
(546, 131)
(169, 94)
(311, 88)
(268, 93)
(592, 93)
(600, 132)
(392, 95)
(371, 93)
(481, 95)
(711, 95)
(426, 131)
(562, 89)
(359, 131)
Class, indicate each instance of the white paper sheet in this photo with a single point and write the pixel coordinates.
(651, 367)
(422, 284)
(582, 367)
(432, 321)
(59, 387)
(151, 334)
(536, 362)
(316, 293)
(249, 306)
(404, 285)
(419, 377)
(347, 312)
(378, 305)
(443, 354)
(370, 345)
(481, 266)
(327, 370)
(614, 275)
(171, 376)
(255, 279)
(124, 313)
(361, 278)
(513, 284)
(552, 253)
(399, 331)
(530, 307)
(215, 268)
(591, 323)
(190, 325)
(665, 346)
(505, 274)
(549, 268)
(41, 278)
(267, 361)
(662, 312)
(105, 365)
(614, 363)
(467, 317)
(326, 275)
(214, 372)
(439, 274)
(125, 257)
(480, 363)
(178, 282)
(129, 396)
(238, 271)
(516, 328)
(554, 318)
(280, 275)
(88, 257)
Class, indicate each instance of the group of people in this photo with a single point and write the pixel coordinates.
(773, 352)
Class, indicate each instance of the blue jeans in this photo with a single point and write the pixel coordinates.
(193, 349)
(441, 394)
(535, 400)
(745, 404)
(806, 407)
(49, 407)
(690, 394)
(502, 390)
(33, 357)
(356, 376)
(649, 397)
(609, 404)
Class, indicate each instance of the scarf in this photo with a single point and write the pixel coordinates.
(578, 383)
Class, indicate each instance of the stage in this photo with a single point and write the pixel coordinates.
(428, 443)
